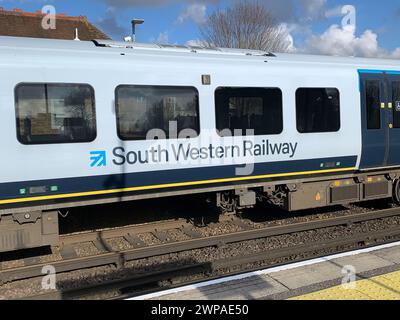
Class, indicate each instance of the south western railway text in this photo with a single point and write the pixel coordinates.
(189, 152)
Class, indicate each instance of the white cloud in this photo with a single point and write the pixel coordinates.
(313, 9)
(110, 25)
(343, 41)
(334, 12)
(289, 40)
(163, 38)
(395, 54)
(195, 11)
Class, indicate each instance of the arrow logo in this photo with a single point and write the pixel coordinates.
(98, 159)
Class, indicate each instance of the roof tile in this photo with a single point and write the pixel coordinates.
(18, 23)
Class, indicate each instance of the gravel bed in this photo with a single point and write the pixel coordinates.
(176, 235)
(86, 249)
(118, 244)
(56, 256)
(218, 229)
(92, 276)
(149, 239)
(12, 264)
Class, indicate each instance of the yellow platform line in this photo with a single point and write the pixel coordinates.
(170, 185)
(384, 287)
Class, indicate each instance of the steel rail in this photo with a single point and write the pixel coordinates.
(136, 229)
(119, 258)
(181, 223)
(209, 267)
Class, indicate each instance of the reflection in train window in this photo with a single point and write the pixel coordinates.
(396, 103)
(55, 113)
(157, 112)
(249, 111)
(317, 110)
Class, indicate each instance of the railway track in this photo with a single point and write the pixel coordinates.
(139, 250)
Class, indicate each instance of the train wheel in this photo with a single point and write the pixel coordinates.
(396, 191)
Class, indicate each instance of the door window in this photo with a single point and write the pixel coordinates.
(373, 104)
(396, 103)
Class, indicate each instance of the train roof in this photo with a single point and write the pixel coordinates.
(141, 49)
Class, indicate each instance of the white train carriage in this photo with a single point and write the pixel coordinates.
(94, 122)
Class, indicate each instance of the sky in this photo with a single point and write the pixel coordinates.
(334, 27)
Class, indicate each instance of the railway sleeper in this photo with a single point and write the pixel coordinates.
(28, 230)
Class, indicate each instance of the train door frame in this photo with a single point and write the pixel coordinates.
(375, 139)
(393, 109)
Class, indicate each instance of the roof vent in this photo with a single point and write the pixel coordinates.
(77, 35)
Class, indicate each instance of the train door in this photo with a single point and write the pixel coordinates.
(393, 84)
(375, 130)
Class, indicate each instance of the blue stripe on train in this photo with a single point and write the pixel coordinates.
(144, 179)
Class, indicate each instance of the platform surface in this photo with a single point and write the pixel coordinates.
(364, 274)
(384, 287)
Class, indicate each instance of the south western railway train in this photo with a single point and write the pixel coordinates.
(84, 123)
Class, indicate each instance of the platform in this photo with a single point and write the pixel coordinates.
(365, 274)
(384, 287)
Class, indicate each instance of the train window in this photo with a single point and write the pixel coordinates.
(55, 113)
(373, 102)
(256, 109)
(396, 103)
(318, 110)
(143, 110)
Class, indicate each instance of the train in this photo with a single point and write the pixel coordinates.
(91, 122)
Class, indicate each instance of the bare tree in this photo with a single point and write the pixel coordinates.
(245, 25)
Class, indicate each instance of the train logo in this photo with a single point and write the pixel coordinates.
(98, 159)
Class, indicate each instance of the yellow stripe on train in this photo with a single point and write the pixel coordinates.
(171, 185)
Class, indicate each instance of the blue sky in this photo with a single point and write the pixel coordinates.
(310, 23)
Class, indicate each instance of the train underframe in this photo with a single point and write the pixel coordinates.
(31, 227)
(302, 195)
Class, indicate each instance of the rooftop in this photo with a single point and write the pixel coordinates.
(18, 23)
(129, 50)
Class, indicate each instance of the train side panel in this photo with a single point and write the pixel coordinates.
(67, 167)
